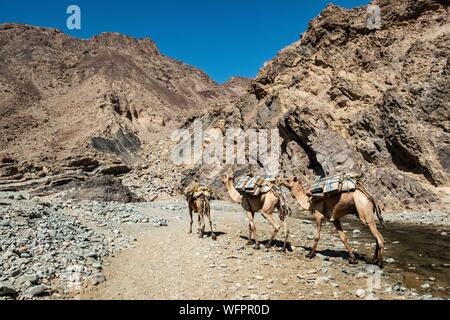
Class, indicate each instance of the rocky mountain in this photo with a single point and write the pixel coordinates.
(347, 97)
(100, 104)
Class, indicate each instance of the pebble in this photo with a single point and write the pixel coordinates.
(35, 291)
(51, 241)
(322, 280)
(6, 290)
(425, 286)
(360, 293)
(98, 279)
(390, 260)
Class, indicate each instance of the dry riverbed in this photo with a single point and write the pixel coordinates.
(143, 251)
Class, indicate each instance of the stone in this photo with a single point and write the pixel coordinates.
(390, 260)
(35, 291)
(6, 290)
(97, 279)
(27, 278)
(360, 293)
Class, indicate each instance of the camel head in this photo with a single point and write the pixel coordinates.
(227, 177)
(288, 182)
(295, 186)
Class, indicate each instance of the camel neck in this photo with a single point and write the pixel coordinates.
(299, 194)
(234, 194)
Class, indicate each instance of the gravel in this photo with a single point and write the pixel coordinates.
(424, 218)
(53, 247)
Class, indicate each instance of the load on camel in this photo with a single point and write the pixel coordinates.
(198, 197)
(259, 194)
(333, 198)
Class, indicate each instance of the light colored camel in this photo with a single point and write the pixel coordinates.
(335, 207)
(201, 206)
(264, 203)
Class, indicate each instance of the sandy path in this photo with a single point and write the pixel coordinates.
(167, 263)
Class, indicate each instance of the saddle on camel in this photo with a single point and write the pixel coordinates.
(198, 197)
(259, 194)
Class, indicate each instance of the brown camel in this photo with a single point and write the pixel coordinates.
(264, 203)
(200, 205)
(334, 207)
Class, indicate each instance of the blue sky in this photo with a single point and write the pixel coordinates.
(224, 38)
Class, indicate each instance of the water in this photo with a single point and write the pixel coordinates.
(420, 252)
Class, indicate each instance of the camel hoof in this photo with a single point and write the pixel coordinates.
(311, 255)
(257, 247)
(249, 242)
(353, 261)
(268, 246)
(214, 237)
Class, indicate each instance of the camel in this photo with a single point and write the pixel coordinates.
(199, 203)
(264, 203)
(334, 207)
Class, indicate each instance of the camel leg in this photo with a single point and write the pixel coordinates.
(344, 239)
(202, 227)
(192, 220)
(286, 232)
(275, 227)
(366, 209)
(250, 234)
(252, 226)
(319, 220)
(379, 250)
(208, 213)
(199, 223)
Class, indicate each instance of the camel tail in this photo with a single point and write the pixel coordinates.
(379, 214)
(377, 208)
(205, 206)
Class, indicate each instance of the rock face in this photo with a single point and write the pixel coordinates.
(64, 100)
(351, 98)
(103, 188)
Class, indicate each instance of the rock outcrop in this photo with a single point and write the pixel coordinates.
(351, 98)
(101, 99)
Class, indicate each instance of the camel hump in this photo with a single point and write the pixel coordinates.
(196, 190)
(344, 182)
(255, 185)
